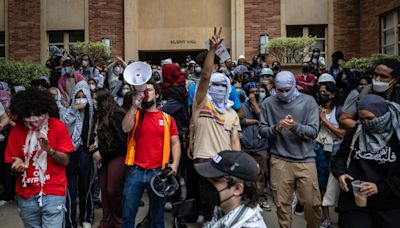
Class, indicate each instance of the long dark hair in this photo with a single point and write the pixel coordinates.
(332, 88)
(106, 106)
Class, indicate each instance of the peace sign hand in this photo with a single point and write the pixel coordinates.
(216, 39)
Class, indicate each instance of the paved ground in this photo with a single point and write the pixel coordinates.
(9, 217)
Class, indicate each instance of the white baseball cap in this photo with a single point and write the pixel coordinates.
(325, 77)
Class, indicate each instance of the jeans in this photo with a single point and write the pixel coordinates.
(50, 215)
(80, 184)
(138, 179)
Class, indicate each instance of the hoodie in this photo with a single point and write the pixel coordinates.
(80, 122)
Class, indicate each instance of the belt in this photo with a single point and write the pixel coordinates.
(201, 160)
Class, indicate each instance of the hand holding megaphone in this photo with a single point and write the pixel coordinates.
(137, 99)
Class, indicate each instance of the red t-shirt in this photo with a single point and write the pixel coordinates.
(56, 181)
(150, 140)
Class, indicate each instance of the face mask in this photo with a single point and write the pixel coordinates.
(218, 94)
(305, 69)
(124, 91)
(288, 96)
(276, 68)
(262, 96)
(92, 87)
(147, 104)
(239, 90)
(376, 125)
(323, 99)
(316, 54)
(380, 86)
(36, 122)
(81, 101)
(85, 63)
(211, 195)
(68, 70)
(197, 70)
(361, 87)
(117, 71)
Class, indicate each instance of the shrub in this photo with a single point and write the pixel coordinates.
(98, 51)
(290, 49)
(21, 73)
(367, 64)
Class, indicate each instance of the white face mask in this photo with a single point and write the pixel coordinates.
(85, 63)
(124, 91)
(197, 70)
(92, 87)
(117, 71)
(380, 86)
(81, 101)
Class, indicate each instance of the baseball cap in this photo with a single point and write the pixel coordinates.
(325, 77)
(230, 163)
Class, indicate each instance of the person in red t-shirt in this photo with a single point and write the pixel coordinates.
(147, 154)
(306, 80)
(38, 148)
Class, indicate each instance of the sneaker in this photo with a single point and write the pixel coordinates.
(4, 202)
(299, 210)
(86, 225)
(326, 223)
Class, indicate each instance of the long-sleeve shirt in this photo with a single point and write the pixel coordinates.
(296, 144)
(381, 168)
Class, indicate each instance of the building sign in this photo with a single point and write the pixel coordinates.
(178, 42)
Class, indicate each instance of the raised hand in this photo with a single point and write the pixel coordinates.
(216, 39)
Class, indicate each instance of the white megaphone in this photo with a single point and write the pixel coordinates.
(138, 74)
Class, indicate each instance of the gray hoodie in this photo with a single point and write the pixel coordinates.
(294, 145)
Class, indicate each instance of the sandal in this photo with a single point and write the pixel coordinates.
(265, 206)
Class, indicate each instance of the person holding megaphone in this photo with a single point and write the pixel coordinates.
(152, 137)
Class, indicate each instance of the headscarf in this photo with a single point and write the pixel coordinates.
(219, 98)
(32, 145)
(77, 130)
(375, 134)
(285, 79)
(54, 52)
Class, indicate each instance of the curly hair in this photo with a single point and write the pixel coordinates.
(106, 106)
(32, 101)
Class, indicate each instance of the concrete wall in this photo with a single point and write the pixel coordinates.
(2, 15)
(180, 25)
(65, 15)
(305, 12)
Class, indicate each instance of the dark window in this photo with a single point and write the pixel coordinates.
(56, 37)
(76, 36)
(294, 31)
(316, 30)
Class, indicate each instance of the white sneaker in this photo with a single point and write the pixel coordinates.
(4, 202)
(326, 223)
(86, 225)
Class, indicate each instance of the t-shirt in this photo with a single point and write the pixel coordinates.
(150, 139)
(213, 130)
(56, 181)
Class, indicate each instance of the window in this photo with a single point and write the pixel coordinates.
(65, 39)
(2, 45)
(317, 31)
(390, 26)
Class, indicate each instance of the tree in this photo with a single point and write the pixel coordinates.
(367, 64)
(290, 49)
(21, 73)
(97, 51)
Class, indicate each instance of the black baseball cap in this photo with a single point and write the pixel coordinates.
(230, 163)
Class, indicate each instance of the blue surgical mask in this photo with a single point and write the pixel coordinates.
(68, 69)
(262, 95)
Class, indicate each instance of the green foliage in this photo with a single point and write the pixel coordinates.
(290, 49)
(368, 64)
(21, 73)
(98, 51)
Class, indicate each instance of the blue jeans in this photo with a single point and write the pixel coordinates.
(138, 179)
(50, 215)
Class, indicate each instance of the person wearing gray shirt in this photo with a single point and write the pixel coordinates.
(290, 120)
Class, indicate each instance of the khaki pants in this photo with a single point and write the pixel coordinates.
(290, 177)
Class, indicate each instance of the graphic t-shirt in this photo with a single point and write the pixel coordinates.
(213, 130)
(150, 139)
(56, 181)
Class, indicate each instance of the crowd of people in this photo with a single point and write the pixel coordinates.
(229, 131)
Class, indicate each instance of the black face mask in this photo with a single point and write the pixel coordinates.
(323, 99)
(209, 195)
(276, 68)
(305, 69)
(147, 104)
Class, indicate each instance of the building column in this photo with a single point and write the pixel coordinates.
(331, 37)
(237, 28)
(6, 35)
(44, 50)
(131, 27)
(86, 23)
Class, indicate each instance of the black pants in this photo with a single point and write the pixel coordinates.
(367, 218)
(7, 177)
